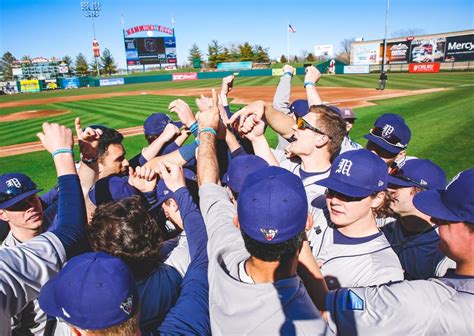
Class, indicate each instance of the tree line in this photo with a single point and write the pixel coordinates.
(80, 66)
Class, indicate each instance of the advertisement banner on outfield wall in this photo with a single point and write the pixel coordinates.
(70, 83)
(356, 69)
(29, 85)
(366, 54)
(397, 52)
(459, 48)
(323, 50)
(234, 65)
(185, 76)
(423, 67)
(427, 50)
(112, 81)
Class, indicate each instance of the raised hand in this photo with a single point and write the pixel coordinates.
(55, 136)
(227, 84)
(256, 108)
(172, 175)
(88, 140)
(143, 178)
(288, 68)
(184, 112)
(253, 128)
(312, 74)
(210, 116)
(203, 103)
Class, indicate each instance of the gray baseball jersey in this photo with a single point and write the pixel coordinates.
(419, 254)
(238, 308)
(24, 269)
(356, 262)
(348, 144)
(281, 102)
(31, 320)
(175, 253)
(442, 306)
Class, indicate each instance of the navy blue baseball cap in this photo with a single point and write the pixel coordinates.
(162, 191)
(155, 124)
(357, 173)
(347, 113)
(390, 132)
(272, 206)
(335, 109)
(93, 291)
(110, 189)
(239, 168)
(299, 107)
(419, 173)
(454, 204)
(14, 188)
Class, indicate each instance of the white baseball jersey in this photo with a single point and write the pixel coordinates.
(419, 254)
(24, 269)
(238, 308)
(355, 262)
(442, 306)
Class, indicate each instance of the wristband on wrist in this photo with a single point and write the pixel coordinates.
(208, 130)
(288, 74)
(85, 159)
(194, 128)
(309, 83)
(62, 151)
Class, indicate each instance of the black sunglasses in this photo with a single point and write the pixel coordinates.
(408, 179)
(388, 138)
(303, 124)
(13, 192)
(345, 198)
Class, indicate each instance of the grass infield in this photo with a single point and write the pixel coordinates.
(440, 122)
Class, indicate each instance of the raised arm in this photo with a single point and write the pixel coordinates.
(310, 79)
(281, 99)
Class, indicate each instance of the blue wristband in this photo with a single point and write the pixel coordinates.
(61, 151)
(193, 128)
(309, 83)
(288, 74)
(209, 130)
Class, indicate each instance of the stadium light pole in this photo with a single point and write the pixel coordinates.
(383, 77)
(91, 10)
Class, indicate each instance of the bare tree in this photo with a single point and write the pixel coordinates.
(345, 53)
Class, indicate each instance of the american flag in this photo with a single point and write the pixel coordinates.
(291, 29)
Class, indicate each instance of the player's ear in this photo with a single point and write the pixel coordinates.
(309, 222)
(236, 221)
(3, 215)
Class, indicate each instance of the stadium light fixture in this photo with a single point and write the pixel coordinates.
(92, 10)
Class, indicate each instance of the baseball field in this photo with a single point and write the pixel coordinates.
(439, 108)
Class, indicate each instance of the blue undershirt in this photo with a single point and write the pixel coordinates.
(342, 239)
(304, 175)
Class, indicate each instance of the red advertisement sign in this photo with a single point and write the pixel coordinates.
(185, 76)
(424, 67)
(142, 28)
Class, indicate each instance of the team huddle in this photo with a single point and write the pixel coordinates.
(210, 230)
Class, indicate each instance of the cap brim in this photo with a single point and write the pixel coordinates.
(344, 188)
(18, 198)
(429, 202)
(393, 180)
(379, 142)
(47, 300)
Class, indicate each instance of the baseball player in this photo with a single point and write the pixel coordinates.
(442, 306)
(252, 273)
(26, 267)
(353, 252)
(414, 236)
(349, 117)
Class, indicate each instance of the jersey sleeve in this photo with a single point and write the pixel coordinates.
(24, 269)
(281, 100)
(407, 307)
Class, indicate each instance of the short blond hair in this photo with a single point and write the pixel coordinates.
(131, 327)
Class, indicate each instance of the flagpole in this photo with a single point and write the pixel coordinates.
(288, 46)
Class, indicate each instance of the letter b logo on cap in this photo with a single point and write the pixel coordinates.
(344, 167)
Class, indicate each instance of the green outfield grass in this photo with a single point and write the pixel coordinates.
(440, 122)
(403, 81)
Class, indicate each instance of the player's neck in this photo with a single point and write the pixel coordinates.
(415, 223)
(23, 235)
(364, 227)
(317, 162)
(465, 268)
(270, 271)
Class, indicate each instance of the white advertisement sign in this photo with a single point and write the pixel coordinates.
(366, 54)
(323, 50)
(112, 81)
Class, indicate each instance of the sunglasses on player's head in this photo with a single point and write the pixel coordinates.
(408, 179)
(345, 198)
(13, 192)
(388, 138)
(303, 124)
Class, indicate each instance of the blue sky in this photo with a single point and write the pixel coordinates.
(56, 28)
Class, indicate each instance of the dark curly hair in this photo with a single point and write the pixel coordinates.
(125, 229)
(109, 136)
(273, 252)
